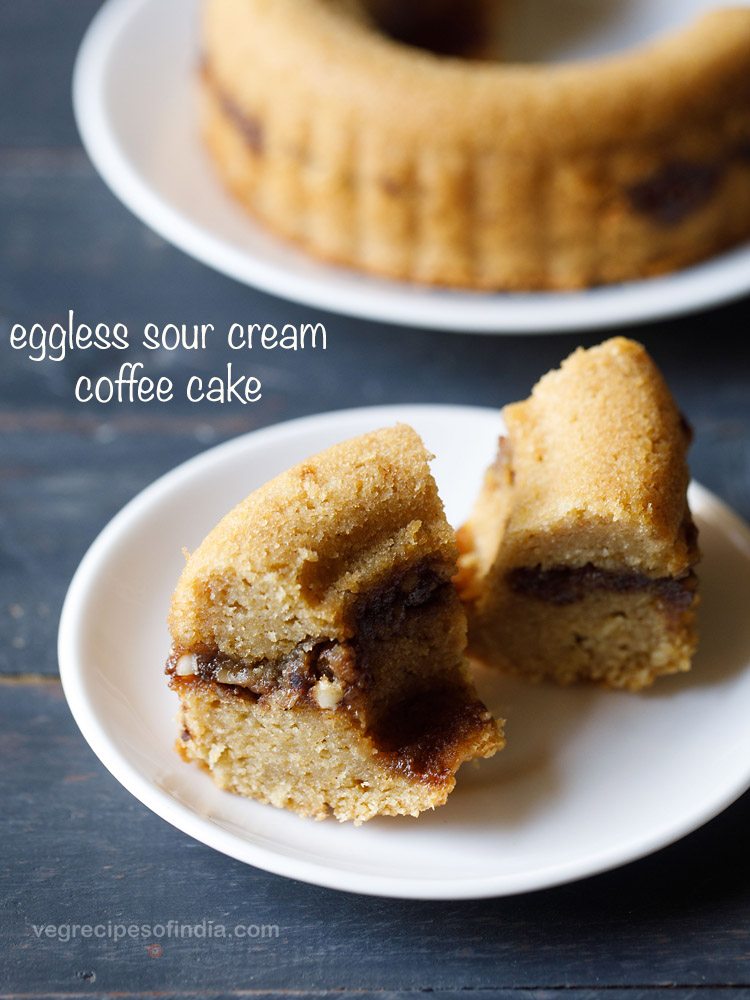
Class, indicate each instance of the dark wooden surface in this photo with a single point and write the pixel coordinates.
(77, 848)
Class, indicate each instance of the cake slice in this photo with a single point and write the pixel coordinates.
(577, 561)
(318, 640)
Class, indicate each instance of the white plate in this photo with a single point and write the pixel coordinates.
(134, 100)
(590, 779)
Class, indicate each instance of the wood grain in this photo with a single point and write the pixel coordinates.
(38, 42)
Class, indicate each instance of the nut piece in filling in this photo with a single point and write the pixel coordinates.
(318, 641)
(577, 561)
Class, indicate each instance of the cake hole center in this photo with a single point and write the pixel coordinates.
(533, 31)
(443, 27)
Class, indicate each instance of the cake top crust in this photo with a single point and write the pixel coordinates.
(598, 456)
(291, 560)
(509, 106)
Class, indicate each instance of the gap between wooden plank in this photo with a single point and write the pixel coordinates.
(69, 159)
(344, 991)
(18, 680)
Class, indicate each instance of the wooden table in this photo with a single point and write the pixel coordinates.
(77, 848)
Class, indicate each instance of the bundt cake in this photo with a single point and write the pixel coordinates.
(378, 134)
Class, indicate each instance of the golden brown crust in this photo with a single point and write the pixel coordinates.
(297, 551)
(538, 177)
(600, 475)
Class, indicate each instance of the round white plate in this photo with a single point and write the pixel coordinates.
(134, 97)
(590, 779)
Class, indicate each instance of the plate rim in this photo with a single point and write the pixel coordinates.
(386, 301)
(188, 821)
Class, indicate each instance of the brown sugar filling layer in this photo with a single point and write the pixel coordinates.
(294, 675)
(676, 191)
(383, 610)
(425, 736)
(566, 584)
(249, 127)
(422, 736)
